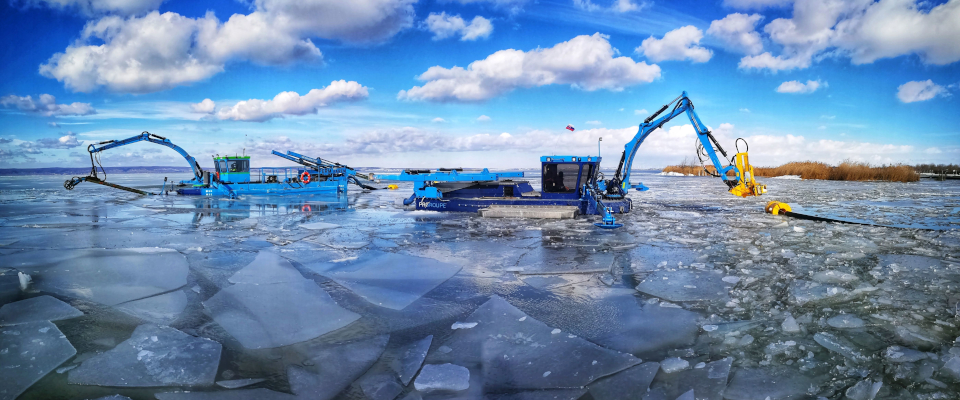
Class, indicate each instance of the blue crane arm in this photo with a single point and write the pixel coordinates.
(684, 105)
(149, 137)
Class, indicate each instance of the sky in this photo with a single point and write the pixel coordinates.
(477, 83)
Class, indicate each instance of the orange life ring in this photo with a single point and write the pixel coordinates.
(306, 208)
(305, 177)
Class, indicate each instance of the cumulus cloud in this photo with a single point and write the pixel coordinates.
(679, 44)
(914, 91)
(204, 107)
(800, 87)
(67, 141)
(438, 120)
(160, 51)
(443, 26)
(737, 32)
(483, 118)
(291, 103)
(586, 62)
(45, 105)
(93, 8)
(862, 30)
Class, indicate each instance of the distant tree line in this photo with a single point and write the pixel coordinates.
(949, 169)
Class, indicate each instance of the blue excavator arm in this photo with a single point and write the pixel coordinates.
(152, 138)
(741, 183)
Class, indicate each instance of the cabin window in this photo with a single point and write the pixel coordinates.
(560, 178)
(587, 173)
(222, 166)
(238, 166)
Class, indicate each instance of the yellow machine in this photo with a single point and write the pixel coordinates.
(746, 185)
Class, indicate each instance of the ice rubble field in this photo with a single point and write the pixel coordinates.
(699, 296)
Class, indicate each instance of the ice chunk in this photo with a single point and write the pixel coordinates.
(153, 356)
(708, 382)
(834, 277)
(840, 346)
(685, 285)
(463, 325)
(773, 383)
(380, 387)
(25, 280)
(845, 321)
(803, 292)
(410, 358)
(330, 368)
(564, 260)
(514, 353)
(389, 280)
(239, 383)
(106, 276)
(558, 394)
(790, 325)
(687, 396)
(162, 309)
(646, 332)
(898, 354)
(243, 394)
(40, 308)
(674, 364)
(277, 314)
(442, 377)
(635, 379)
(864, 390)
(951, 368)
(267, 267)
(319, 226)
(28, 352)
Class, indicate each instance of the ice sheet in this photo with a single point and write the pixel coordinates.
(242, 394)
(40, 308)
(515, 351)
(107, 276)
(28, 352)
(267, 267)
(389, 280)
(152, 356)
(625, 384)
(686, 285)
(329, 368)
(774, 383)
(161, 309)
(409, 359)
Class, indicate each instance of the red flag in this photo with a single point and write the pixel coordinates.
(570, 128)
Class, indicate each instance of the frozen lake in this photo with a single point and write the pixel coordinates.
(358, 297)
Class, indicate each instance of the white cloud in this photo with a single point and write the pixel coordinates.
(93, 8)
(641, 112)
(746, 110)
(439, 120)
(620, 6)
(679, 44)
(46, 105)
(443, 26)
(291, 103)
(914, 91)
(160, 51)
(483, 118)
(863, 30)
(67, 141)
(755, 4)
(738, 33)
(585, 62)
(204, 107)
(800, 87)
(594, 122)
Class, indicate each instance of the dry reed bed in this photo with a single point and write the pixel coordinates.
(846, 171)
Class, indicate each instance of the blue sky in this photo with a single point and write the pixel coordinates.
(477, 83)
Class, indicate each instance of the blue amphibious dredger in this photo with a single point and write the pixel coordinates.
(573, 180)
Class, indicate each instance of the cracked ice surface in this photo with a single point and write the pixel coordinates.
(153, 356)
(40, 308)
(29, 351)
(763, 306)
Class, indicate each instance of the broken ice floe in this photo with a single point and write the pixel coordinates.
(686, 285)
(389, 280)
(153, 356)
(632, 380)
(319, 226)
(442, 377)
(270, 306)
(40, 308)
(329, 368)
(380, 387)
(239, 383)
(777, 382)
(106, 276)
(514, 352)
(242, 394)
(28, 352)
(409, 359)
(161, 309)
(707, 381)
